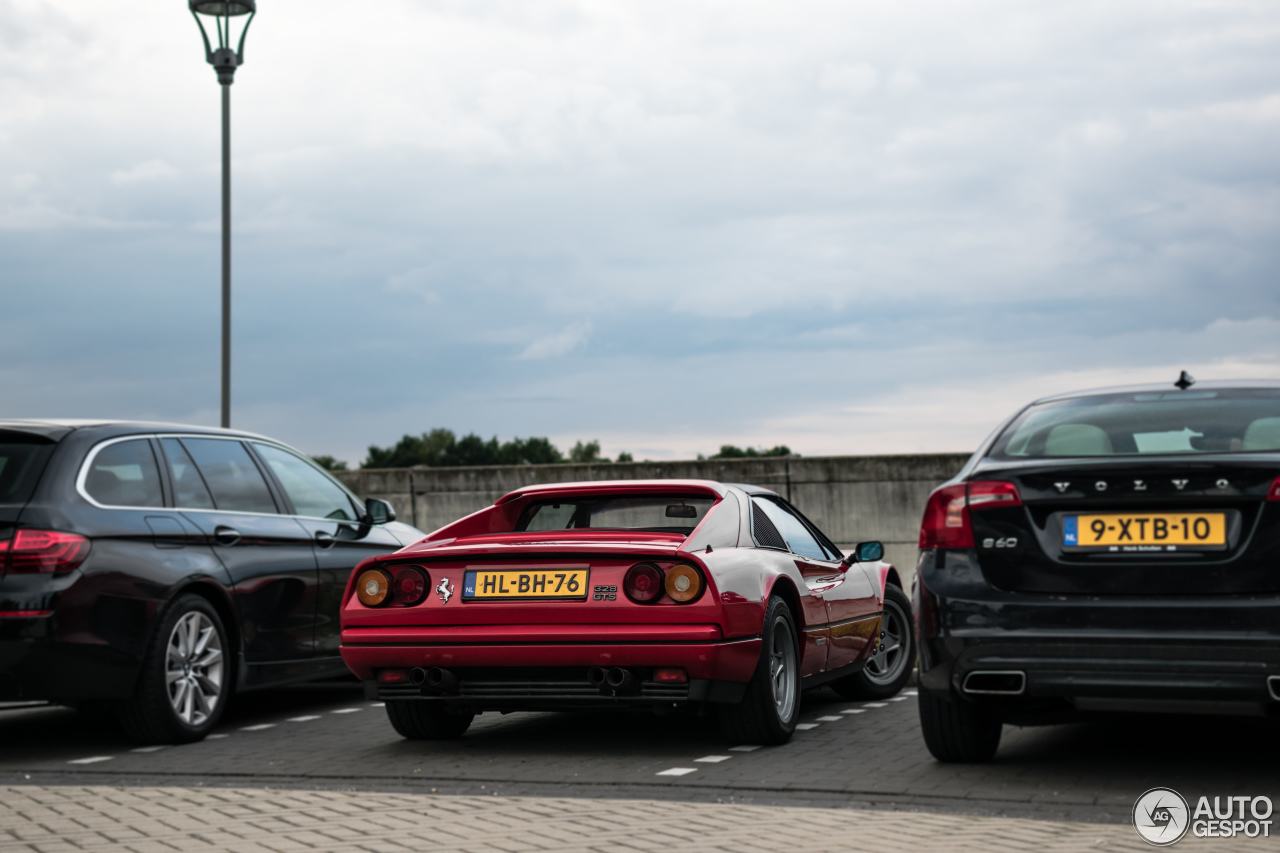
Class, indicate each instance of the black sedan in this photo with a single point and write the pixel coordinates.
(160, 568)
(1105, 551)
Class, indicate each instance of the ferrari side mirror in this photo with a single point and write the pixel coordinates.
(864, 552)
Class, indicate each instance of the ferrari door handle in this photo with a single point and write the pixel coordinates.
(324, 540)
(226, 535)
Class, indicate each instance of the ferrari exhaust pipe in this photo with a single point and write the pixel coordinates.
(597, 676)
(441, 680)
(417, 676)
(620, 679)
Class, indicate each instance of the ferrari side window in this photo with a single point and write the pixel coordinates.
(798, 537)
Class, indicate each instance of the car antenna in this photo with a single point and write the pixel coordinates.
(1185, 381)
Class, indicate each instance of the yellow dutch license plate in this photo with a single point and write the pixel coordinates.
(530, 584)
(1145, 531)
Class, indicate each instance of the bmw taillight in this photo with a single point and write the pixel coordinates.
(946, 521)
(43, 551)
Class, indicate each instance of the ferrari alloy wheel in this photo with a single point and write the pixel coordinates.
(889, 669)
(184, 682)
(770, 706)
(958, 732)
(416, 719)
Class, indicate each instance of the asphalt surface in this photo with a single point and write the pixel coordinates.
(849, 754)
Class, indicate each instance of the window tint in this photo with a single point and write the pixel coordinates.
(190, 490)
(798, 537)
(680, 514)
(310, 489)
(1239, 420)
(21, 463)
(125, 474)
(229, 472)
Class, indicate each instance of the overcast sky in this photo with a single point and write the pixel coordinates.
(849, 227)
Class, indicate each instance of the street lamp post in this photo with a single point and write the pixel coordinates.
(225, 59)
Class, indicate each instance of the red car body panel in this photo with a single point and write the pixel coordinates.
(715, 637)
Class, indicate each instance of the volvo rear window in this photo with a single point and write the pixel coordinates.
(21, 463)
(1173, 422)
(648, 514)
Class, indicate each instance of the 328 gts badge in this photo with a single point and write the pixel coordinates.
(605, 593)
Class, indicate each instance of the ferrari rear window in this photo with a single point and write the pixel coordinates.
(615, 512)
(1177, 422)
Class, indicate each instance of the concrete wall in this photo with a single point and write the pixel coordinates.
(852, 498)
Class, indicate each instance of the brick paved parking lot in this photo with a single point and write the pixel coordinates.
(857, 770)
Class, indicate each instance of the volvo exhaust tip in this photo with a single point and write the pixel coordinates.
(621, 680)
(1273, 687)
(1005, 682)
(441, 680)
(597, 676)
(417, 676)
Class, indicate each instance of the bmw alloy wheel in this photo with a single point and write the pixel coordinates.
(886, 666)
(782, 666)
(194, 668)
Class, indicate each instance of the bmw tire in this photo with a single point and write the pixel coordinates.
(770, 708)
(418, 720)
(888, 670)
(186, 677)
(958, 732)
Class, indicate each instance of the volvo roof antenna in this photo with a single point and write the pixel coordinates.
(1185, 381)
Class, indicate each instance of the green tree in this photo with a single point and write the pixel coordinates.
(728, 451)
(624, 456)
(588, 452)
(328, 463)
(440, 448)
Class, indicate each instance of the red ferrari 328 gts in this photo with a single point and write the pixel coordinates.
(638, 593)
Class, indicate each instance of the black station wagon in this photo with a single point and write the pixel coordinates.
(161, 568)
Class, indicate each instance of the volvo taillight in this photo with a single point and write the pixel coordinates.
(43, 551)
(1274, 494)
(946, 521)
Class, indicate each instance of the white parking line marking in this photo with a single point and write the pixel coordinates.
(259, 727)
(346, 710)
(147, 749)
(875, 705)
(308, 718)
(94, 760)
(677, 771)
(854, 711)
(829, 719)
(743, 748)
(898, 699)
(712, 759)
(378, 705)
(804, 727)
(910, 692)
(215, 737)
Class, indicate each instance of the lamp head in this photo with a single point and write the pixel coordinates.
(229, 54)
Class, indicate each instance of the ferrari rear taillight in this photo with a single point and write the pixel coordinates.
(683, 583)
(1274, 494)
(410, 586)
(43, 551)
(946, 521)
(643, 583)
(373, 587)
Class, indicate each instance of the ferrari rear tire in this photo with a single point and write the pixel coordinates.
(958, 732)
(418, 720)
(889, 670)
(770, 709)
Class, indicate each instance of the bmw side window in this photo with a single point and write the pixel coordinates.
(233, 479)
(188, 486)
(312, 492)
(799, 539)
(125, 474)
